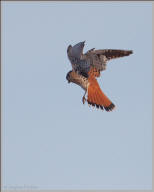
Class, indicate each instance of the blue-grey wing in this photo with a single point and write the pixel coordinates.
(83, 67)
(77, 50)
(74, 54)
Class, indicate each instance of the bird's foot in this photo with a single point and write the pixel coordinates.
(83, 99)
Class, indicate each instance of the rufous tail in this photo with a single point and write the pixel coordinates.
(95, 95)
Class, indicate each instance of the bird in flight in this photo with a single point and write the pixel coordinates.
(87, 67)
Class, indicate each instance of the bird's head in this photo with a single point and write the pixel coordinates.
(68, 77)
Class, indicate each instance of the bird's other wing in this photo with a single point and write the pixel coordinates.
(76, 50)
(95, 95)
(83, 67)
(74, 54)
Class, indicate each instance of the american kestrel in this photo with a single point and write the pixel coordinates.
(87, 67)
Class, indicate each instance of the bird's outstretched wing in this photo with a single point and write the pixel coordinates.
(110, 53)
(99, 58)
(95, 95)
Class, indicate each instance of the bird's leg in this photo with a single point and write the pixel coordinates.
(83, 98)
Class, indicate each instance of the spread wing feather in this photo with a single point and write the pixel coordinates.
(111, 53)
(99, 58)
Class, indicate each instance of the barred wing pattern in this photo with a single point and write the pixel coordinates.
(99, 58)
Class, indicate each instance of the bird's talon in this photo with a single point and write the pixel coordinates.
(83, 99)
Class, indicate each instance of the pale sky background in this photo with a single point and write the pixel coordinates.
(50, 139)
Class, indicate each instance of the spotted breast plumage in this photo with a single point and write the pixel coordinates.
(87, 67)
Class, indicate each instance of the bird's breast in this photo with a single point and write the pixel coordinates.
(79, 80)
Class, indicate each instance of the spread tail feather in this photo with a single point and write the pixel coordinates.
(96, 97)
